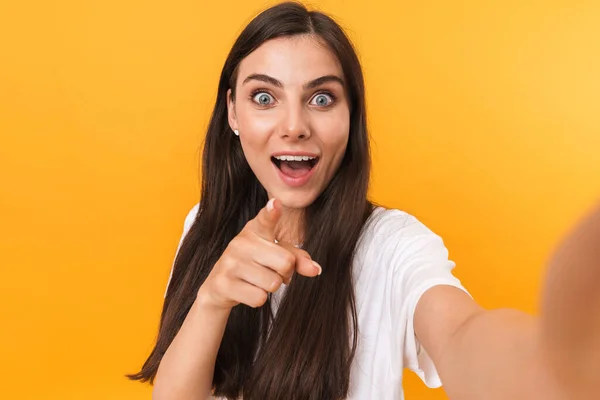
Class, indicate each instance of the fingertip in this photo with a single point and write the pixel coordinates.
(310, 268)
(273, 209)
(317, 267)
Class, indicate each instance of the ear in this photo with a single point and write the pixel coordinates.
(231, 117)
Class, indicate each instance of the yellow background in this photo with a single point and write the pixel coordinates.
(485, 123)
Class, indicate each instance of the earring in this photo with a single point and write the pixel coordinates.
(237, 133)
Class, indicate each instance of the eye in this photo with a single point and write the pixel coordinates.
(322, 100)
(263, 98)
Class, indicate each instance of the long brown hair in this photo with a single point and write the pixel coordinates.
(312, 339)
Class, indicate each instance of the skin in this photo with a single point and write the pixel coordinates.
(480, 354)
(297, 117)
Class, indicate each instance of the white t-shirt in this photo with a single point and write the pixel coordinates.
(397, 260)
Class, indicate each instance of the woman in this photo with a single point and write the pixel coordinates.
(317, 293)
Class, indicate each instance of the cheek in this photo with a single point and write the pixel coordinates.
(340, 151)
(334, 136)
(254, 122)
(255, 130)
(253, 147)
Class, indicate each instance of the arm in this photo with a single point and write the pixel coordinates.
(482, 354)
(571, 310)
(187, 367)
(507, 354)
(251, 266)
(186, 370)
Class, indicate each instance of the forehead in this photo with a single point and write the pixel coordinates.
(292, 60)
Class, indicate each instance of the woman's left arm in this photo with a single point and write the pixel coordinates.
(507, 354)
(570, 320)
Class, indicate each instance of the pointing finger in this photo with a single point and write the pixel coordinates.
(266, 220)
(305, 265)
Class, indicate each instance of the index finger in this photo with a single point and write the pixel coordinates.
(305, 265)
(263, 225)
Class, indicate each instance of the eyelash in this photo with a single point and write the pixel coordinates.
(325, 92)
(258, 91)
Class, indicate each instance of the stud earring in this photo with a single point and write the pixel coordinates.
(237, 133)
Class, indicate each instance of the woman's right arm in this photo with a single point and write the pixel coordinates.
(251, 266)
(187, 367)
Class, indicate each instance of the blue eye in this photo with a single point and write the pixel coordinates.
(263, 98)
(322, 100)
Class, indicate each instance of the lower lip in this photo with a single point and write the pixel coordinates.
(296, 182)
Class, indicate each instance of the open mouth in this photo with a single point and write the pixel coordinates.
(295, 166)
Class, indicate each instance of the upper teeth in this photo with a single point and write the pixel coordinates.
(294, 158)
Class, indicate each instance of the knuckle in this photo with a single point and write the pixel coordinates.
(243, 242)
(289, 260)
(304, 253)
(259, 300)
(276, 284)
(235, 242)
(232, 246)
(227, 262)
(248, 227)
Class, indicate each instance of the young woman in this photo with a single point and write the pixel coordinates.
(289, 284)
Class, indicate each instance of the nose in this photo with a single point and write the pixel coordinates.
(295, 124)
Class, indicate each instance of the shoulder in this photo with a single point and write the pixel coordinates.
(190, 218)
(394, 224)
(394, 238)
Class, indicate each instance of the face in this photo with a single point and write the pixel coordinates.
(293, 117)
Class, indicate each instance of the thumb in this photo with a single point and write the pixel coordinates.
(305, 265)
(266, 220)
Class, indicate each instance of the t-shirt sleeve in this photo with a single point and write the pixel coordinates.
(187, 224)
(420, 263)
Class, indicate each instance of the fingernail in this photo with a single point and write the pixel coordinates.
(270, 204)
(318, 267)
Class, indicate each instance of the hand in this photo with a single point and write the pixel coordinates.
(571, 311)
(253, 264)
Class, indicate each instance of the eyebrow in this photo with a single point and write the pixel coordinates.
(309, 85)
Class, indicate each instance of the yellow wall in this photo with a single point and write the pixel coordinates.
(484, 116)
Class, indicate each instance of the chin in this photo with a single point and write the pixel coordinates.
(294, 199)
